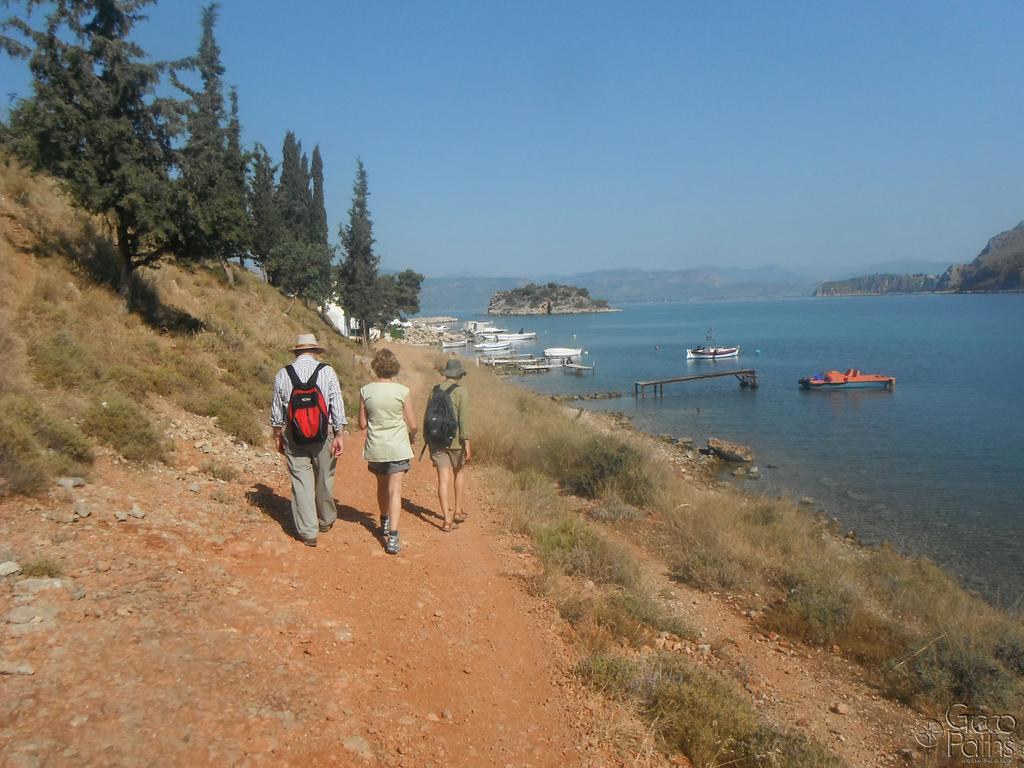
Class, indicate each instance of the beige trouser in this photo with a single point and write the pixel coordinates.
(312, 469)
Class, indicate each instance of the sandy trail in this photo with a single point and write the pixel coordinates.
(204, 634)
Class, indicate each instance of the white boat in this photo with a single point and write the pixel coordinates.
(708, 350)
(563, 352)
(522, 336)
(493, 346)
(711, 353)
(453, 344)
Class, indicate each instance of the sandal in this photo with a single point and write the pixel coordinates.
(447, 527)
(461, 517)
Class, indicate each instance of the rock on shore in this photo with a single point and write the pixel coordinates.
(727, 451)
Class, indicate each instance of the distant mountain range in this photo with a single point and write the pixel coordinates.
(998, 268)
(466, 292)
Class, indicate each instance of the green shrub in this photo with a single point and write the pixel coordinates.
(595, 465)
(692, 710)
(23, 469)
(235, 416)
(579, 551)
(817, 611)
(126, 428)
(61, 359)
(220, 471)
(958, 669)
(36, 446)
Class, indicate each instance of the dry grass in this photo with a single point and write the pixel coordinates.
(693, 711)
(187, 338)
(41, 567)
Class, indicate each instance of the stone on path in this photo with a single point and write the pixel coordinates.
(28, 614)
(358, 745)
(34, 586)
(137, 512)
(81, 508)
(71, 482)
(14, 668)
(9, 568)
(841, 708)
(121, 516)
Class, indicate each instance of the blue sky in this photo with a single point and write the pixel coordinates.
(514, 138)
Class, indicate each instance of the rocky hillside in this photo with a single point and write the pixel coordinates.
(549, 299)
(857, 286)
(999, 267)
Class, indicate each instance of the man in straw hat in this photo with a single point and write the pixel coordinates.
(302, 427)
(450, 456)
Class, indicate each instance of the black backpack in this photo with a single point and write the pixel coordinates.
(441, 423)
(307, 408)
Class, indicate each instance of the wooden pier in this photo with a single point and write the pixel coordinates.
(747, 378)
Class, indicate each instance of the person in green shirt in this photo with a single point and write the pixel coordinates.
(451, 461)
(385, 412)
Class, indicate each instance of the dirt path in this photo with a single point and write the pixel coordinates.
(203, 634)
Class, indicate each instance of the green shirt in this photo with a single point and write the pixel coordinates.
(460, 399)
(387, 436)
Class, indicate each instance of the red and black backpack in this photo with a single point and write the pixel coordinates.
(307, 408)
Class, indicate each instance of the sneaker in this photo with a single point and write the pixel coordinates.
(392, 546)
(308, 542)
(385, 527)
(326, 528)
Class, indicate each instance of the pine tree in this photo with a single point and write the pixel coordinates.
(357, 276)
(267, 229)
(94, 122)
(318, 212)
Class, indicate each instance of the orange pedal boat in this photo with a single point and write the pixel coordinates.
(852, 379)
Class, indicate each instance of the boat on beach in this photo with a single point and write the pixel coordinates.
(851, 379)
(708, 350)
(453, 344)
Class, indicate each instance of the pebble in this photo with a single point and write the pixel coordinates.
(59, 517)
(31, 614)
(34, 586)
(137, 512)
(9, 568)
(358, 745)
(447, 714)
(806, 501)
(13, 668)
(71, 482)
(121, 516)
(343, 635)
(101, 566)
(194, 487)
(704, 649)
(840, 708)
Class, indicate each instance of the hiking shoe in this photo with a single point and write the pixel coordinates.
(392, 546)
(326, 528)
(308, 542)
(385, 527)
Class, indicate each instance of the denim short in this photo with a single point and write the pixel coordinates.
(384, 468)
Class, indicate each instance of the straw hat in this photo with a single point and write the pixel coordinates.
(306, 342)
(453, 369)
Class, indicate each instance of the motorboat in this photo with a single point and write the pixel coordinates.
(708, 350)
(851, 379)
(453, 344)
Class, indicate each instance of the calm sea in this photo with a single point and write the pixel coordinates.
(935, 467)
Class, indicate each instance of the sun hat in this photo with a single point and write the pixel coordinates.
(453, 369)
(307, 342)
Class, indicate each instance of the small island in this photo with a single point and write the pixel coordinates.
(548, 299)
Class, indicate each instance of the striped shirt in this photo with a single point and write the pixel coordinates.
(304, 366)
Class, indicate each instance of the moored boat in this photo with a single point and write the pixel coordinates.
(453, 344)
(708, 350)
(561, 353)
(851, 379)
(493, 346)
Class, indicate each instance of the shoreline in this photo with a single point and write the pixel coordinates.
(686, 457)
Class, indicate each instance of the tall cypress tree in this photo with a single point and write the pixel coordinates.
(211, 167)
(267, 229)
(293, 191)
(318, 211)
(94, 122)
(357, 275)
